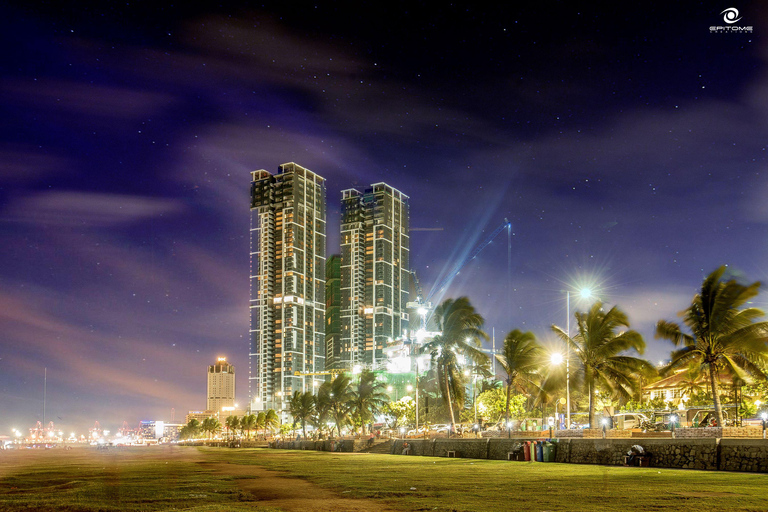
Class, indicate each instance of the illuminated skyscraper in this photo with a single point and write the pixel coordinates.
(221, 385)
(287, 305)
(374, 273)
(333, 352)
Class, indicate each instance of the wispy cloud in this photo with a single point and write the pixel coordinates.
(86, 98)
(89, 210)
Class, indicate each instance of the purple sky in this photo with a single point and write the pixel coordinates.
(627, 148)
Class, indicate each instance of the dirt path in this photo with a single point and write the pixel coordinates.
(267, 488)
(272, 489)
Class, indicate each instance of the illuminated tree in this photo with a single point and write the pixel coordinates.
(336, 396)
(248, 423)
(522, 359)
(210, 426)
(599, 349)
(401, 412)
(191, 430)
(367, 398)
(461, 331)
(232, 423)
(722, 335)
(302, 407)
(271, 421)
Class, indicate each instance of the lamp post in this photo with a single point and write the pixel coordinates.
(673, 420)
(585, 293)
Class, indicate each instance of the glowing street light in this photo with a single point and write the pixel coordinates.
(584, 293)
(764, 417)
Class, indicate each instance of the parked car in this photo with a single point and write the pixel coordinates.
(629, 420)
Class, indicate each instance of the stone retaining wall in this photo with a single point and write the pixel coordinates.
(720, 432)
(749, 455)
(744, 455)
(327, 445)
(691, 454)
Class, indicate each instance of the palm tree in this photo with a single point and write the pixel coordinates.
(691, 382)
(598, 348)
(322, 408)
(232, 423)
(461, 332)
(367, 397)
(259, 423)
(521, 359)
(210, 426)
(190, 430)
(302, 407)
(722, 336)
(271, 421)
(335, 396)
(248, 423)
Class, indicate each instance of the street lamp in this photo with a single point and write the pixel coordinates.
(584, 293)
(556, 359)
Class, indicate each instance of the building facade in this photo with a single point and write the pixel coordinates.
(333, 352)
(374, 273)
(221, 386)
(287, 302)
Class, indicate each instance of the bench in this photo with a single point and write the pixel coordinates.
(451, 453)
(642, 461)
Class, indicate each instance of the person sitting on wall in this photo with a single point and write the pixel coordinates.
(406, 448)
(634, 452)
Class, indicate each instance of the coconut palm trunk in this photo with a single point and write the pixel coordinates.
(509, 397)
(450, 399)
(715, 395)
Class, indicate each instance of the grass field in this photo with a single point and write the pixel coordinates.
(208, 479)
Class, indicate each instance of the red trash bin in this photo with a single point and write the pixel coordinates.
(527, 451)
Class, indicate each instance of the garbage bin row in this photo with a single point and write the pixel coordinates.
(539, 451)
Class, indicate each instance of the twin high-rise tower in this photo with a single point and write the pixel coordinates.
(374, 273)
(368, 286)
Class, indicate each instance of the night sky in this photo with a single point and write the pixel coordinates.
(628, 149)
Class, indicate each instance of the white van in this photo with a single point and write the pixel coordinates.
(629, 420)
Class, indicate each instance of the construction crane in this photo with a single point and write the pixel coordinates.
(485, 243)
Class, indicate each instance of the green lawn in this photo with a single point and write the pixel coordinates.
(184, 478)
(425, 483)
(86, 479)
